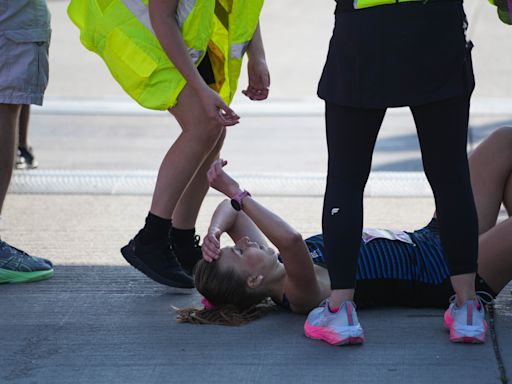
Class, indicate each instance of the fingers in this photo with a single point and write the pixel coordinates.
(218, 167)
(226, 116)
(215, 170)
(259, 83)
(255, 93)
(211, 248)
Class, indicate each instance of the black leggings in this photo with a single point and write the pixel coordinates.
(351, 134)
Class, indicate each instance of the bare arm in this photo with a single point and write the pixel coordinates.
(235, 223)
(163, 19)
(301, 277)
(259, 76)
(255, 51)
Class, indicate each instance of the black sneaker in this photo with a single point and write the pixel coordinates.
(188, 256)
(157, 262)
(25, 158)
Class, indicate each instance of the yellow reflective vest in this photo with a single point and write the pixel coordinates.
(504, 10)
(504, 6)
(361, 4)
(120, 32)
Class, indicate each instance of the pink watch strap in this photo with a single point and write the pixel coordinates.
(240, 196)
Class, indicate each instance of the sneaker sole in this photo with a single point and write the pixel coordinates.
(14, 277)
(317, 333)
(455, 338)
(467, 340)
(138, 264)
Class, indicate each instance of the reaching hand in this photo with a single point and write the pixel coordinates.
(211, 245)
(259, 80)
(216, 109)
(220, 180)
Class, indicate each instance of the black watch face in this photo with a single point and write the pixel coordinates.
(236, 205)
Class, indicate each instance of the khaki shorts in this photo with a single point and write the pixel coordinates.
(23, 66)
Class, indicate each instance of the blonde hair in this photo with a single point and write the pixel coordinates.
(233, 303)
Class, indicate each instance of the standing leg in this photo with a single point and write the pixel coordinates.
(187, 209)
(351, 136)
(15, 265)
(9, 115)
(183, 239)
(25, 158)
(149, 251)
(442, 129)
(23, 126)
(186, 155)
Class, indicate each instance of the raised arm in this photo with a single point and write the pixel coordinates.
(301, 277)
(235, 223)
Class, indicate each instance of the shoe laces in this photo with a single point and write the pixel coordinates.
(7, 245)
(482, 297)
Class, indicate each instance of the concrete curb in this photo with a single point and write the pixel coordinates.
(133, 182)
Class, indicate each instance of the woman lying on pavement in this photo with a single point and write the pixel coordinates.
(395, 268)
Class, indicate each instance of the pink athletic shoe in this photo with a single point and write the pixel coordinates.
(338, 328)
(466, 323)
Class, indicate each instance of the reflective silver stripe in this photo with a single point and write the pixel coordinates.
(185, 7)
(184, 10)
(195, 55)
(140, 11)
(237, 50)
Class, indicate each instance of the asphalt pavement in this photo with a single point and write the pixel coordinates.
(99, 320)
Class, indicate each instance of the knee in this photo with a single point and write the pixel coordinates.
(503, 135)
(501, 140)
(207, 134)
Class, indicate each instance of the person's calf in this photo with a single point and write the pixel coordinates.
(9, 114)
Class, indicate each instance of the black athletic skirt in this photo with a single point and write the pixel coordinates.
(398, 55)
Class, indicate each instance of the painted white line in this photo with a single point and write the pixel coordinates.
(380, 184)
(278, 108)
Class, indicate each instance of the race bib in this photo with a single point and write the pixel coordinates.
(370, 234)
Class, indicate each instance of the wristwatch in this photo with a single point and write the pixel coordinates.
(237, 200)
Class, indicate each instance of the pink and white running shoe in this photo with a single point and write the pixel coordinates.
(338, 328)
(466, 323)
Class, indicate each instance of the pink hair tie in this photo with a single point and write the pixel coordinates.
(207, 305)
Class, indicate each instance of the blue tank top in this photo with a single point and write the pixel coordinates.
(420, 260)
(396, 272)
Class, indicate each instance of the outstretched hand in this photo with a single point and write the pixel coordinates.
(220, 180)
(216, 109)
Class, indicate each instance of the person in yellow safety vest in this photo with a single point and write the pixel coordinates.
(184, 55)
(387, 54)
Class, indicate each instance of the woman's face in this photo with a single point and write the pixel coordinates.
(249, 258)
